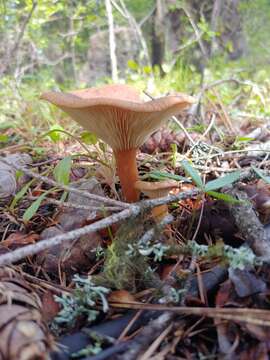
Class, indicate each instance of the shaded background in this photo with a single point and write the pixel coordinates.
(160, 45)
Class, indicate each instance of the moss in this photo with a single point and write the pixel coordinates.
(121, 269)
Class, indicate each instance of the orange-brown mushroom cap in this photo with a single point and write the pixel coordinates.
(116, 114)
(156, 189)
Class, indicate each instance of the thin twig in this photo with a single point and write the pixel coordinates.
(133, 210)
(148, 204)
(212, 123)
(151, 233)
(196, 32)
(33, 249)
(123, 10)
(176, 121)
(147, 335)
(259, 317)
(71, 205)
(183, 129)
(232, 152)
(65, 187)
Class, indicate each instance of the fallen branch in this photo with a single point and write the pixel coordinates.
(133, 210)
(149, 333)
(33, 249)
(151, 232)
(70, 205)
(260, 317)
(249, 225)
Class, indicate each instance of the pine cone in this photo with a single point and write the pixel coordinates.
(23, 334)
(161, 141)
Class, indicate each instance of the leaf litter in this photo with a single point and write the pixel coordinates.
(209, 296)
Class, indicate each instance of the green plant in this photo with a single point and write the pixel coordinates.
(158, 250)
(210, 187)
(61, 174)
(261, 175)
(81, 302)
(237, 258)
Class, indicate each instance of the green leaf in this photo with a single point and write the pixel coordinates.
(199, 128)
(193, 173)
(225, 197)
(147, 70)
(31, 211)
(39, 150)
(174, 154)
(222, 181)
(62, 171)
(261, 175)
(160, 175)
(244, 139)
(4, 138)
(6, 125)
(102, 146)
(55, 133)
(20, 194)
(89, 138)
(18, 174)
(132, 65)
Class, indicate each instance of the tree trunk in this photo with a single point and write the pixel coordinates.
(215, 16)
(158, 35)
(112, 41)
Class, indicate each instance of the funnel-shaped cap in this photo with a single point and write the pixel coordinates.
(116, 114)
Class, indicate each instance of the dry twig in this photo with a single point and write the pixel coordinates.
(132, 210)
(65, 187)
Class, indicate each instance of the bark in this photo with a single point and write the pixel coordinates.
(158, 35)
(112, 41)
(217, 7)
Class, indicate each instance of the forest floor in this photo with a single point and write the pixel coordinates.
(89, 278)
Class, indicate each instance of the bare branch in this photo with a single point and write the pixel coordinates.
(133, 210)
(33, 249)
(133, 24)
(65, 187)
(70, 205)
(196, 32)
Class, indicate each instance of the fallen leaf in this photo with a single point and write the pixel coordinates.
(50, 307)
(121, 296)
(19, 239)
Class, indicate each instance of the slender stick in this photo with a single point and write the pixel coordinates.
(133, 210)
(71, 235)
(65, 187)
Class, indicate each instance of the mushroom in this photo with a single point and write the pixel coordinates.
(156, 190)
(117, 115)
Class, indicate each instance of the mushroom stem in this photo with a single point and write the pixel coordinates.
(128, 173)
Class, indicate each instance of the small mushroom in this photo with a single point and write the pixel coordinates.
(156, 190)
(117, 115)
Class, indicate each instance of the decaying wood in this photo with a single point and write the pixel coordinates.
(249, 225)
(147, 336)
